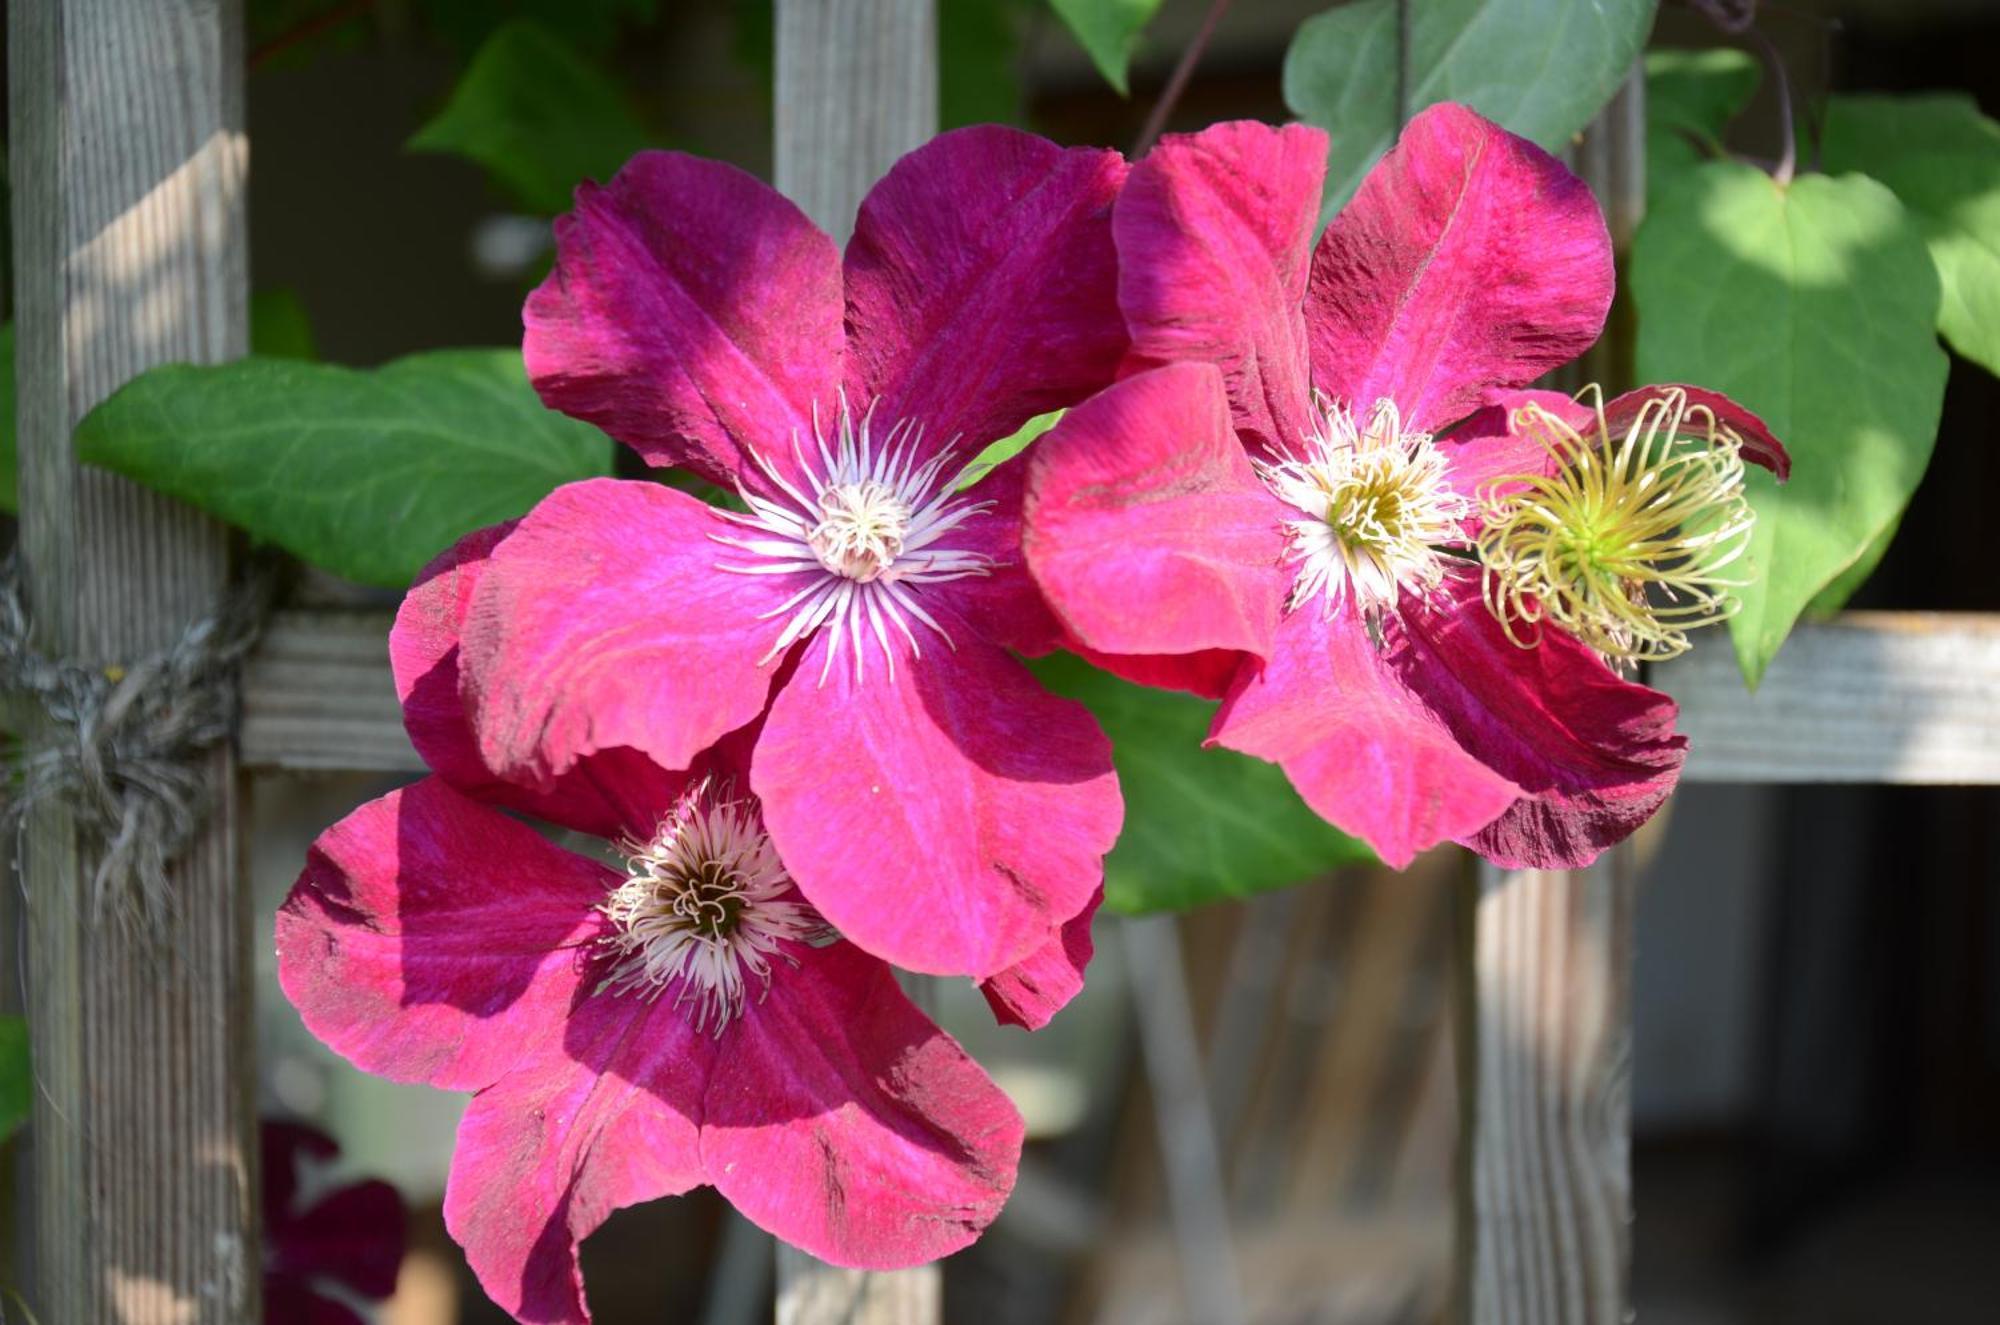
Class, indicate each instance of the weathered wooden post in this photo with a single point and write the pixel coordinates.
(1545, 965)
(128, 158)
(856, 87)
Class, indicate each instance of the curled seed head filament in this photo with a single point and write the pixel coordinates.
(1626, 542)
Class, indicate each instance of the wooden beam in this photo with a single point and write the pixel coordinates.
(1544, 974)
(856, 87)
(128, 158)
(1895, 697)
(317, 695)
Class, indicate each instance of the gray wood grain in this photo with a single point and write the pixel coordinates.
(128, 158)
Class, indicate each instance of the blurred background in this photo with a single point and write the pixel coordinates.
(1817, 1082)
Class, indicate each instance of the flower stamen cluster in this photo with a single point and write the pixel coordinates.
(868, 522)
(1624, 545)
(1377, 508)
(706, 904)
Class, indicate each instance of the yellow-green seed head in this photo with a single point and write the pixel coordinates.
(1625, 543)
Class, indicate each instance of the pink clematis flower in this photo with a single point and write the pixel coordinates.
(1294, 472)
(935, 804)
(630, 1032)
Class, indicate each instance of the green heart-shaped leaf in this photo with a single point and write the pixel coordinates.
(1814, 305)
(368, 473)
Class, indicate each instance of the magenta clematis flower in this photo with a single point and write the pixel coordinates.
(1307, 444)
(936, 806)
(352, 1236)
(630, 1032)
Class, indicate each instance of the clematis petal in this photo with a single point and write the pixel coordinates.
(982, 285)
(609, 794)
(606, 620)
(1005, 605)
(1594, 756)
(1362, 750)
(1031, 991)
(693, 313)
(948, 818)
(1485, 454)
(1214, 238)
(544, 1155)
(1146, 527)
(433, 939)
(1208, 673)
(839, 1118)
(1760, 445)
(1470, 260)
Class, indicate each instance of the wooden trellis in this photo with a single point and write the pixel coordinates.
(127, 152)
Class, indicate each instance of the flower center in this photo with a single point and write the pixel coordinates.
(868, 528)
(1376, 510)
(704, 907)
(1624, 544)
(861, 529)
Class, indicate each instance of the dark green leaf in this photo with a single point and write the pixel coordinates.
(537, 116)
(368, 473)
(978, 46)
(1845, 585)
(1942, 158)
(1200, 825)
(1109, 30)
(278, 326)
(17, 1076)
(1815, 306)
(1541, 68)
(1691, 96)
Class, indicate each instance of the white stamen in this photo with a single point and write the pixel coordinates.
(1377, 510)
(868, 535)
(705, 906)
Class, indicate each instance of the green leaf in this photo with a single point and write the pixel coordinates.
(1200, 825)
(1814, 305)
(17, 1076)
(1845, 585)
(278, 326)
(1541, 68)
(1942, 158)
(1109, 30)
(368, 473)
(537, 116)
(978, 46)
(1692, 95)
(591, 25)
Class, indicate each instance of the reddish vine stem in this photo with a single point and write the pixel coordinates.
(1177, 84)
(308, 29)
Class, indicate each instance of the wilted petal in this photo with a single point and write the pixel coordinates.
(432, 939)
(606, 620)
(1760, 445)
(982, 284)
(1146, 527)
(1032, 990)
(1594, 756)
(840, 1119)
(1470, 260)
(545, 1155)
(1362, 750)
(1214, 237)
(946, 819)
(694, 314)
